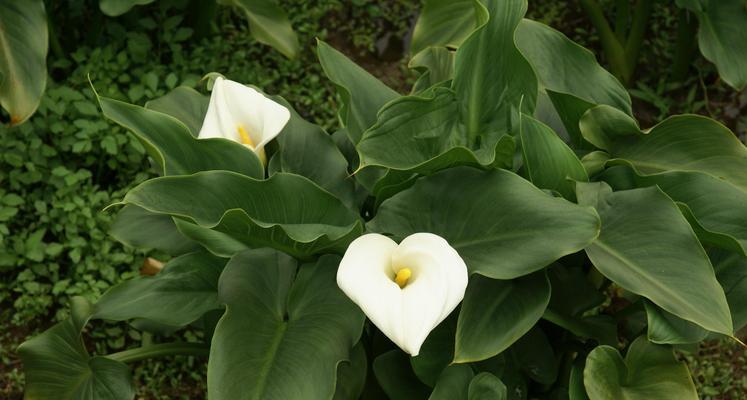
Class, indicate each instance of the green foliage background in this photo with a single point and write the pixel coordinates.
(59, 170)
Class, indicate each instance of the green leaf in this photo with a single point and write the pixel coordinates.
(679, 143)
(667, 328)
(491, 77)
(393, 372)
(174, 149)
(287, 212)
(446, 23)
(605, 126)
(569, 73)
(486, 386)
(535, 356)
(114, 8)
(647, 247)
(719, 218)
(306, 149)
(435, 65)
(420, 133)
(649, 371)
(453, 383)
(549, 162)
(57, 365)
(185, 104)
(268, 24)
(496, 313)
(280, 337)
(23, 57)
(142, 229)
(437, 351)
(362, 94)
(503, 226)
(731, 272)
(351, 375)
(721, 36)
(178, 295)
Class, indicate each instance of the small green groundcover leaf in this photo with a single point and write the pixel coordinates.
(649, 371)
(287, 212)
(502, 225)
(280, 338)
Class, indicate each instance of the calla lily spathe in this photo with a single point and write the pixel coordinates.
(406, 290)
(242, 114)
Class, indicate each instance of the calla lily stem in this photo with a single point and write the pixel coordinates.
(161, 349)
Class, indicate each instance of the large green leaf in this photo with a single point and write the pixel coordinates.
(446, 23)
(280, 338)
(362, 94)
(23, 57)
(177, 296)
(679, 143)
(719, 218)
(649, 371)
(722, 37)
(496, 313)
(268, 24)
(395, 376)
(115, 8)
(142, 229)
(174, 149)
(502, 225)
(569, 74)
(491, 77)
(58, 366)
(306, 149)
(185, 104)
(420, 133)
(647, 247)
(548, 161)
(287, 212)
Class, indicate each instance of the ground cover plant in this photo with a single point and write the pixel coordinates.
(542, 183)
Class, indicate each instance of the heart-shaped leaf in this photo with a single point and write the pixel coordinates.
(453, 383)
(507, 229)
(649, 371)
(57, 365)
(280, 337)
(486, 386)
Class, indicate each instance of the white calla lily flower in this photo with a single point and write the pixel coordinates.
(244, 115)
(406, 290)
